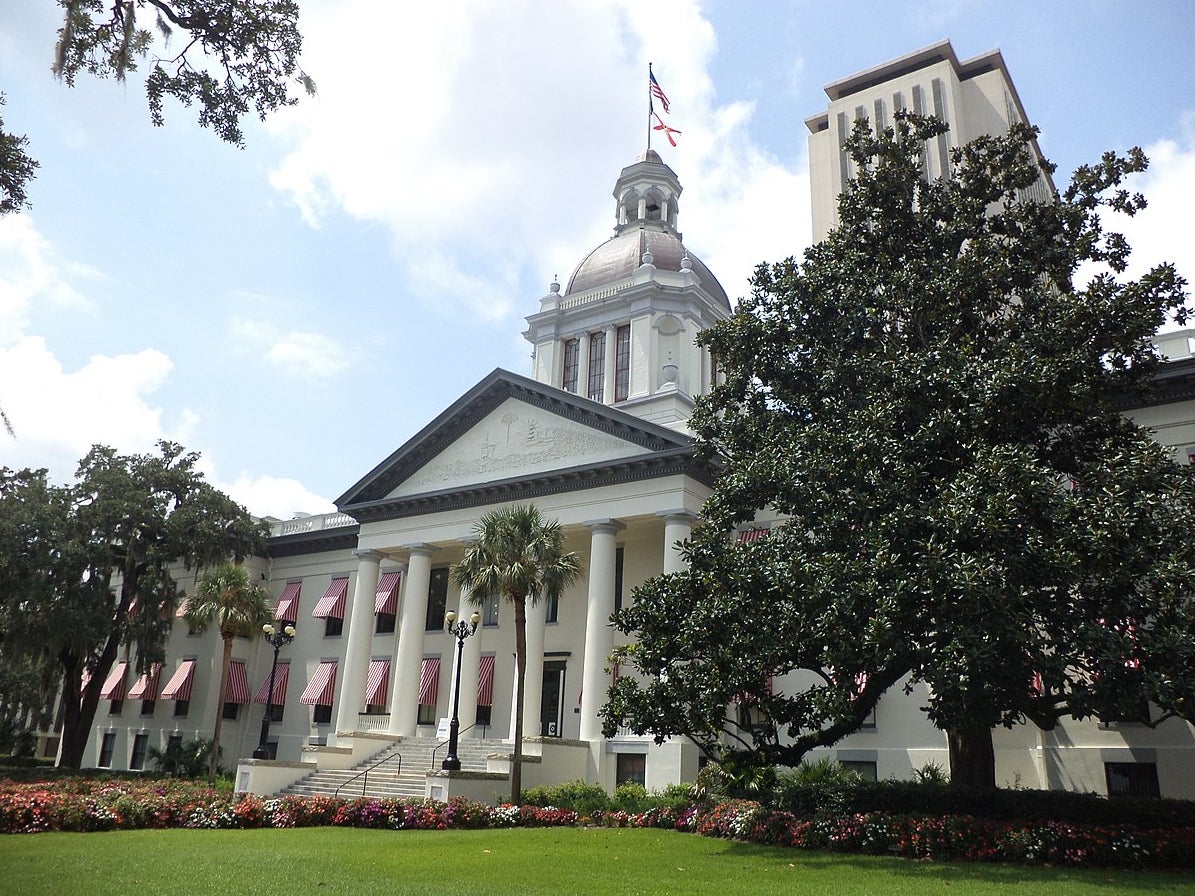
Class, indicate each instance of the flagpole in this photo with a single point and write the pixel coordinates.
(649, 107)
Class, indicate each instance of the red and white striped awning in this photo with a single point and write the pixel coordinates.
(146, 687)
(485, 681)
(753, 534)
(429, 680)
(114, 687)
(377, 683)
(287, 608)
(238, 683)
(386, 597)
(331, 605)
(179, 686)
(281, 676)
(320, 689)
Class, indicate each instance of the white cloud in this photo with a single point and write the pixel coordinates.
(498, 123)
(58, 414)
(310, 354)
(29, 271)
(1163, 231)
(270, 496)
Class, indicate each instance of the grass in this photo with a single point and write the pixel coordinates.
(556, 861)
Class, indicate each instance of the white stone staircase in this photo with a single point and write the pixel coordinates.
(399, 771)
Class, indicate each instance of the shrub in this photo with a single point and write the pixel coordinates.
(582, 798)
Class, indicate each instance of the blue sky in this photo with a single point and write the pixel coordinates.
(296, 310)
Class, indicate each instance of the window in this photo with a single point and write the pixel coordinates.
(174, 742)
(489, 610)
(140, 746)
(632, 769)
(272, 749)
(597, 367)
(619, 558)
(276, 712)
(863, 768)
(107, 747)
(377, 683)
(181, 708)
(321, 714)
(147, 707)
(287, 608)
(231, 711)
(330, 607)
(622, 362)
(437, 599)
(384, 624)
(429, 689)
(115, 707)
(1132, 779)
(552, 608)
(483, 715)
(572, 358)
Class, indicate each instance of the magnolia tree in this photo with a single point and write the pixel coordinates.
(928, 402)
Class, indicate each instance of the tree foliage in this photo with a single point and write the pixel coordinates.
(89, 569)
(927, 403)
(238, 606)
(231, 56)
(228, 58)
(518, 556)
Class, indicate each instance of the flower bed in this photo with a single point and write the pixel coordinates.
(83, 805)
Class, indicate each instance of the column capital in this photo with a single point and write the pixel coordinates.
(608, 525)
(420, 549)
(677, 516)
(369, 555)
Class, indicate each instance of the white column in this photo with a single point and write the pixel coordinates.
(359, 637)
(404, 695)
(470, 660)
(608, 372)
(533, 688)
(583, 365)
(598, 636)
(678, 526)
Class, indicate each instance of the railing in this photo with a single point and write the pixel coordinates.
(364, 773)
(374, 723)
(312, 524)
(446, 742)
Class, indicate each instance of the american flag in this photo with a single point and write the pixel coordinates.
(657, 91)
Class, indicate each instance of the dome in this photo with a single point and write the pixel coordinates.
(621, 255)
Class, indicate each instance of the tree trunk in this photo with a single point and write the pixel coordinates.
(215, 758)
(516, 771)
(972, 757)
(79, 704)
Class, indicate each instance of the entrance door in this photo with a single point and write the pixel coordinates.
(551, 707)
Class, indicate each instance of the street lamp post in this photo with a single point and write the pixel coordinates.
(459, 630)
(277, 637)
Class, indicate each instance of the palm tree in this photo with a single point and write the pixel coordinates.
(519, 556)
(238, 607)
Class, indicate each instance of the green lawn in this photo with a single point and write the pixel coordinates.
(557, 861)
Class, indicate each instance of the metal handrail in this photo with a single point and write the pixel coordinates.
(366, 772)
(445, 742)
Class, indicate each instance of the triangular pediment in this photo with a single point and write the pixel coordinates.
(506, 431)
(515, 439)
